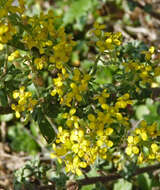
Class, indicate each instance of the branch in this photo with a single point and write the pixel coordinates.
(17, 45)
(5, 110)
(142, 30)
(102, 179)
(111, 177)
(47, 187)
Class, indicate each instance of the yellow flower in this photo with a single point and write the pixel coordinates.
(14, 55)
(135, 150)
(72, 111)
(109, 143)
(152, 49)
(16, 94)
(130, 139)
(91, 117)
(1, 47)
(25, 101)
(136, 140)
(154, 147)
(99, 143)
(109, 131)
(144, 136)
(18, 114)
(140, 158)
(129, 150)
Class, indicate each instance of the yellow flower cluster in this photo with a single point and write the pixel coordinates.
(78, 86)
(84, 152)
(14, 55)
(112, 114)
(46, 36)
(59, 83)
(7, 7)
(87, 139)
(49, 39)
(63, 49)
(40, 63)
(42, 29)
(106, 40)
(25, 101)
(142, 71)
(7, 30)
(88, 131)
(149, 53)
(143, 143)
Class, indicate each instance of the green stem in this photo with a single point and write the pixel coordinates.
(5, 63)
(94, 69)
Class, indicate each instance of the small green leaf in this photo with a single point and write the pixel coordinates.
(144, 181)
(21, 140)
(122, 184)
(141, 111)
(8, 77)
(103, 75)
(6, 117)
(46, 130)
(88, 187)
(78, 9)
(3, 98)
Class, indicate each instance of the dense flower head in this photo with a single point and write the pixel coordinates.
(25, 101)
(6, 7)
(13, 55)
(143, 143)
(78, 86)
(84, 140)
(106, 40)
(7, 30)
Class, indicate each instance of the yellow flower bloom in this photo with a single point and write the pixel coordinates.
(154, 148)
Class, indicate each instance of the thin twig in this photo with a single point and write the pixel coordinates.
(5, 110)
(142, 30)
(3, 131)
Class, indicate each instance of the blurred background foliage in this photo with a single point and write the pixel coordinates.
(21, 140)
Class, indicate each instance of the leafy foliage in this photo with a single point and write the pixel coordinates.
(94, 97)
